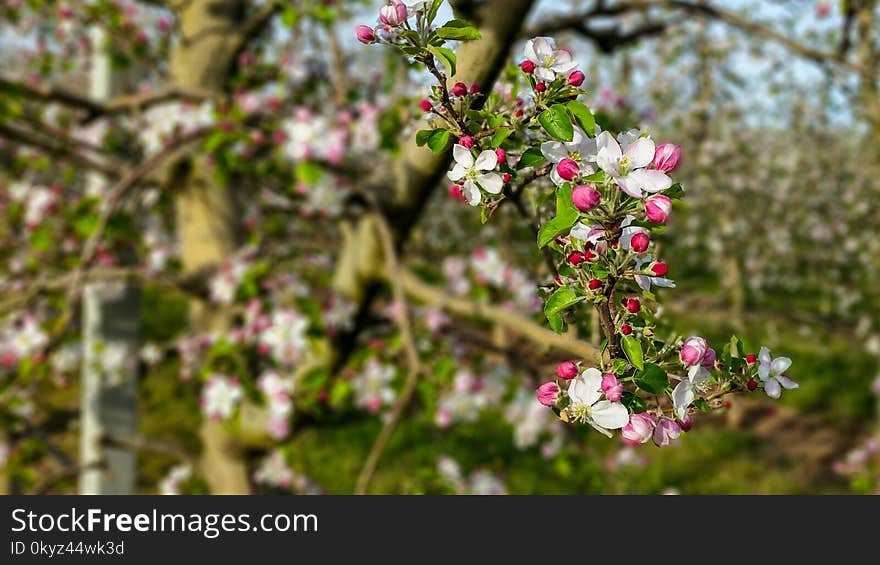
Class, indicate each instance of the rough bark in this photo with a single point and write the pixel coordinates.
(207, 219)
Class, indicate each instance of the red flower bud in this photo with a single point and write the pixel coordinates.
(527, 66)
(460, 89)
(501, 155)
(585, 197)
(625, 329)
(594, 284)
(659, 268)
(639, 242)
(466, 141)
(751, 384)
(633, 305)
(568, 169)
(576, 78)
(540, 87)
(566, 370)
(751, 358)
(365, 34)
(505, 178)
(575, 258)
(475, 89)
(426, 105)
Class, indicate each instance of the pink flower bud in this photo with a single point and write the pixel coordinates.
(500, 155)
(659, 268)
(527, 67)
(568, 169)
(466, 141)
(365, 34)
(666, 157)
(751, 384)
(540, 87)
(456, 192)
(639, 429)
(633, 305)
(548, 393)
(626, 329)
(657, 208)
(687, 423)
(585, 197)
(474, 89)
(393, 14)
(594, 284)
(692, 351)
(611, 387)
(708, 358)
(505, 178)
(575, 258)
(751, 358)
(666, 432)
(566, 370)
(426, 105)
(460, 89)
(639, 242)
(576, 78)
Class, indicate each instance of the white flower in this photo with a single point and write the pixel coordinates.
(585, 406)
(27, 339)
(580, 149)
(645, 281)
(627, 166)
(220, 396)
(413, 6)
(170, 485)
(373, 386)
(473, 173)
(274, 471)
(548, 60)
(286, 337)
(685, 391)
(770, 371)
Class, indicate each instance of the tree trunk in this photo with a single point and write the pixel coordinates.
(207, 215)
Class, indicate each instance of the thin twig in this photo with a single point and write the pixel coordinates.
(412, 359)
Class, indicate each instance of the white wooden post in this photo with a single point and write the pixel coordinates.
(111, 327)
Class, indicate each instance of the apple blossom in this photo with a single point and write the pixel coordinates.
(220, 396)
(567, 169)
(365, 34)
(666, 157)
(576, 78)
(548, 393)
(528, 67)
(627, 166)
(638, 430)
(578, 150)
(657, 208)
(639, 242)
(585, 392)
(393, 14)
(459, 89)
(770, 372)
(585, 197)
(611, 387)
(693, 350)
(594, 284)
(566, 370)
(575, 258)
(547, 59)
(666, 431)
(475, 173)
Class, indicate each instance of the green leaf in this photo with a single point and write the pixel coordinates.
(633, 349)
(530, 158)
(563, 298)
(700, 404)
(674, 192)
(422, 136)
(652, 379)
(289, 17)
(556, 122)
(557, 324)
(598, 176)
(583, 117)
(500, 136)
(458, 30)
(308, 172)
(566, 216)
(618, 366)
(432, 12)
(438, 140)
(446, 56)
(634, 402)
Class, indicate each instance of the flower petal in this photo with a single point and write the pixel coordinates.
(610, 415)
(544, 74)
(554, 151)
(544, 47)
(463, 155)
(780, 365)
(472, 193)
(641, 152)
(682, 396)
(787, 383)
(486, 161)
(772, 388)
(457, 173)
(491, 182)
(651, 180)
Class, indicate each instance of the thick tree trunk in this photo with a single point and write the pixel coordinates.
(207, 217)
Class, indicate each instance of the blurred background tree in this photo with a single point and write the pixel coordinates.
(255, 175)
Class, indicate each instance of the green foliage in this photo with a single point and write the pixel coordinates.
(556, 122)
